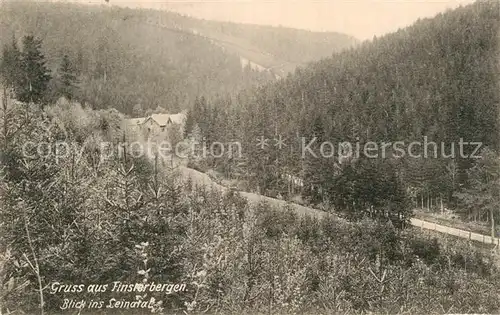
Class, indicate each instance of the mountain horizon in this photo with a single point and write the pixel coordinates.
(362, 19)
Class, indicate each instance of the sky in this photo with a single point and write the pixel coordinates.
(360, 18)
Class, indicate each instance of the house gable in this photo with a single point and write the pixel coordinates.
(161, 119)
(157, 124)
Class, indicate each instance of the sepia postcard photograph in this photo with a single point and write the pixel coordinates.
(249, 157)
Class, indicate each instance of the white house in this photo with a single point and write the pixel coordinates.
(157, 126)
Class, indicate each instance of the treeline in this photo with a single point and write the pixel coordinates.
(294, 46)
(436, 79)
(74, 217)
(122, 62)
(128, 58)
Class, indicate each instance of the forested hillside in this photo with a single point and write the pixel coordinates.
(93, 223)
(146, 58)
(437, 79)
(76, 220)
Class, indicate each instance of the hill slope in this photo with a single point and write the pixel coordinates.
(129, 56)
(437, 79)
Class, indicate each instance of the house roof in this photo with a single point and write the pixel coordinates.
(164, 119)
(161, 119)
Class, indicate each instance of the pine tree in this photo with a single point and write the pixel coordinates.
(68, 80)
(484, 192)
(10, 66)
(196, 139)
(200, 114)
(35, 75)
(188, 127)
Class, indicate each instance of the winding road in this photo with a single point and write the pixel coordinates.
(199, 178)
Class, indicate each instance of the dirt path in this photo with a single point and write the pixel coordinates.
(200, 178)
(455, 232)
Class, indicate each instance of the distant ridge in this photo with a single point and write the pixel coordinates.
(157, 58)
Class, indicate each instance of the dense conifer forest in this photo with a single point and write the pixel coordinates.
(148, 59)
(435, 81)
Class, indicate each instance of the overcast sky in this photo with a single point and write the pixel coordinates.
(360, 18)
